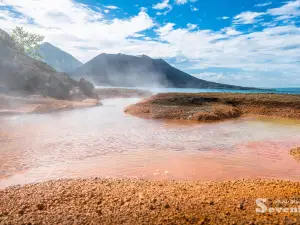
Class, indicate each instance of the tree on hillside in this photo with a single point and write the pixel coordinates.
(28, 42)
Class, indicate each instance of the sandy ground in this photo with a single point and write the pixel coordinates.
(216, 106)
(96, 201)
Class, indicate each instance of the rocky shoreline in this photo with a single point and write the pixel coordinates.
(215, 106)
(12, 105)
(106, 201)
(296, 153)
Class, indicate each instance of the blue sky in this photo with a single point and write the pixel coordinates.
(241, 42)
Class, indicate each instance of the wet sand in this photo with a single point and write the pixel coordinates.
(96, 201)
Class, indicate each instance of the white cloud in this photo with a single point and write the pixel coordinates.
(230, 31)
(247, 17)
(162, 5)
(180, 60)
(85, 33)
(194, 9)
(227, 78)
(143, 9)
(111, 7)
(263, 4)
(287, 11)
(272, 49)
(138, 35)
(181, 2)
(223, 18)
(74, 27)
(106, 11)
(192, 26)
(166, 29)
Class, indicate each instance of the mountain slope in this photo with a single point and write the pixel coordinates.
(61, 61)
(125, 70)
(22, 74)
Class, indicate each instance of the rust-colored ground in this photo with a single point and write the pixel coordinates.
(296, 153)
(216, 106)
(97, 201)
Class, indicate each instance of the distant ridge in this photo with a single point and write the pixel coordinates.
(136, 71)
(60, 60)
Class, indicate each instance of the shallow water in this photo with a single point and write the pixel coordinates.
(105, 142)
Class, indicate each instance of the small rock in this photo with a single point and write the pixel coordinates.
(99, 211)
(40, 206)
(21, 212)
(151, 207)
(141, 196)
(167, 206)
(153, 200)
(241, 206)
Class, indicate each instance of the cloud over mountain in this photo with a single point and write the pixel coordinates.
(263, 39)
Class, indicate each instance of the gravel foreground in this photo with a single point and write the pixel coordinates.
(106, 201)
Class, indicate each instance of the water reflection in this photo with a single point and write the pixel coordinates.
(104, 141)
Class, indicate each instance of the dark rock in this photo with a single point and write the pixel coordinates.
(56, 89)
(151, 207)
(241, 206)
(76, 94)
(86, 87)
(40, 206)
(22, 74)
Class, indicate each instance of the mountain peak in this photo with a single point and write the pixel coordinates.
(58, 59)
(137, 71)
(48, 44)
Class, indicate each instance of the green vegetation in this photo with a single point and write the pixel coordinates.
(28, 42)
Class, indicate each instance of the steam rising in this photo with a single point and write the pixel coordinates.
(124, 71)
